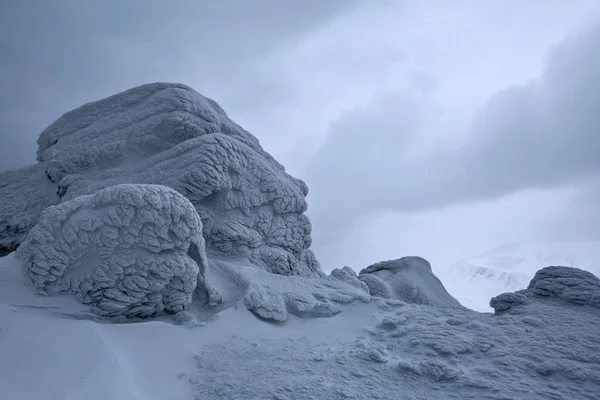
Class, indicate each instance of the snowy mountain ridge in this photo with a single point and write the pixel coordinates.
(511, 266)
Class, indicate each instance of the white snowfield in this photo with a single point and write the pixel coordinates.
(168, 134)
(511, 266)
(152, 206)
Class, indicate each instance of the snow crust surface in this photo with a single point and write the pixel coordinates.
(127, 251)
(168, 134)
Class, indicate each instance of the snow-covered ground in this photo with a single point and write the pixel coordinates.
(510, 267)
(53, 348)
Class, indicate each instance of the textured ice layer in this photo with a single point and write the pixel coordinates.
(168, 134)
(409, 279)
(128, 250)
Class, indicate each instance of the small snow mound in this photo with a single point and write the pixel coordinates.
(573, 285)
(408, 262)
(506, 301)
(348, 275)
(409, 279)
(127, 251)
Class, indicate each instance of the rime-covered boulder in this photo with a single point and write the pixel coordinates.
(566, 284)
(168, 134)
(127, 250)
(409, 279)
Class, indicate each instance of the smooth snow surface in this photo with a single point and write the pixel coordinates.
(168, 134)
(127, 250)
(409, 279)
(548, 348)
(511, 266)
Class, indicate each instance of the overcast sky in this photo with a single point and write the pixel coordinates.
(435, 128)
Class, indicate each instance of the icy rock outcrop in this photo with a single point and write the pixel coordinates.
(409, 279)
(168, 134)
(127, 250)
(275, 297)
(572, 285)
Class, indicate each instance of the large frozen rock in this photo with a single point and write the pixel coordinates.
(128, 250)
(170, 135)
(409, 279)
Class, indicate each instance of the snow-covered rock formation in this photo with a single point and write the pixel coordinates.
(409, 279)
(168, 134)
(127, 251)
(153, 200)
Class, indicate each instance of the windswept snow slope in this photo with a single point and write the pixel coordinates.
(385, 349)
(511, 266)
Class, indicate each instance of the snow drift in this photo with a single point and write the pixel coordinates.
(168, 134)
(127, 250)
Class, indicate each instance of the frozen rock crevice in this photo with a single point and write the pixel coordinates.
(127, 251)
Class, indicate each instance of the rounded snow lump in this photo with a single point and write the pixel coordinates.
(127, 250)
(409, 279)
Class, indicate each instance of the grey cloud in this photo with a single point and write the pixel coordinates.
(56, 55)
(540, 135)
